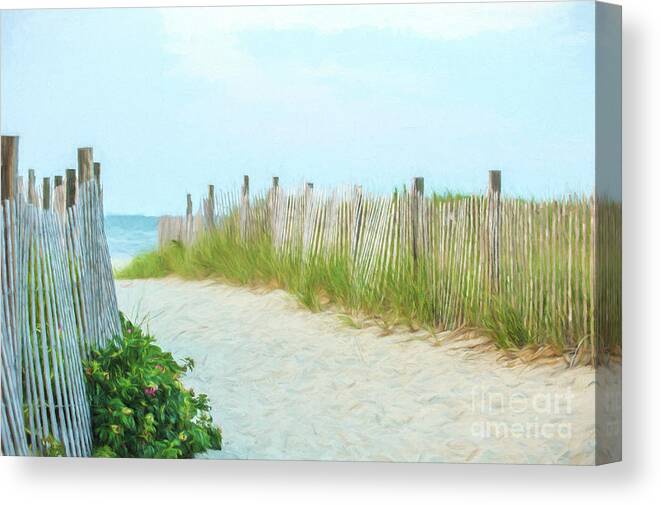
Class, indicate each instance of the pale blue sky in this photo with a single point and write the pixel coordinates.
(173, 99)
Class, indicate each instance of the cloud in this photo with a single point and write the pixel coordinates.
(437, 21)
(208, 44)
(206, 40)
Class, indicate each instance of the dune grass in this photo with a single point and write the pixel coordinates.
(543, 294)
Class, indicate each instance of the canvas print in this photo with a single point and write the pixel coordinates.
(337, 233)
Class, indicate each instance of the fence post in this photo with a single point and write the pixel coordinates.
(493, 196)
(32, 190)
(58, 181)
(45, 190)
(97, 173)
(210, 207)
(85, 164)
(189, 205)
(309, 187)
(272, 200)
(9, 167)
(273, 192)
(71, 187)
(9, 180)
(417, 196)
(245, 189)
(188, 220)
(245, 205)
(358, 218)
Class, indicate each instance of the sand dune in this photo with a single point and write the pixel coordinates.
(289, 384)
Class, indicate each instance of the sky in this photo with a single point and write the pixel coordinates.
(174, 99)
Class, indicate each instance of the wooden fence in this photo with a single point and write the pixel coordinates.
(475, 259)
(58, 300)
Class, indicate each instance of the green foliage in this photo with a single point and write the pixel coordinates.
(140, 408)
(53, 447)
(143, 266)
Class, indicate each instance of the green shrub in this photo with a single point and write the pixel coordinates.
(140, 408)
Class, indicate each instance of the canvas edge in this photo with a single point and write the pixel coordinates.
(608, 246)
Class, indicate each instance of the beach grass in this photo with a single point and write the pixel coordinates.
(313, 248)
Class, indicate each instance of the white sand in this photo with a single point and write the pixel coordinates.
(289, 384)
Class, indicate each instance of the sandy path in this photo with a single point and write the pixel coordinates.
(289, 384)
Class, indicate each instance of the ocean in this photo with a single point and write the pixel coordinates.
(129, 236)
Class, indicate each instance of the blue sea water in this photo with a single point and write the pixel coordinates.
(130, 235)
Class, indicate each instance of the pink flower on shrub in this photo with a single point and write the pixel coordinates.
(151, 390)
(160, 368)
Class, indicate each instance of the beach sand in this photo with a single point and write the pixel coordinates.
(286, 383)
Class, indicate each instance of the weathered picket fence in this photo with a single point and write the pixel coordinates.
(466, 256)
(58, 300)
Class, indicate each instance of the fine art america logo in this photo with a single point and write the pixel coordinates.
(537, 416)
